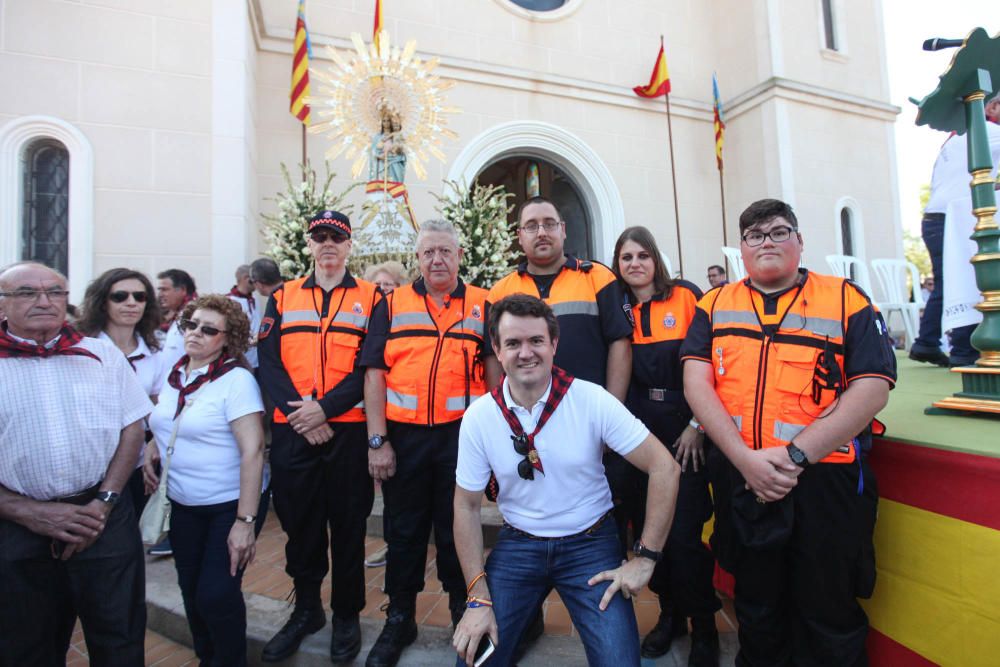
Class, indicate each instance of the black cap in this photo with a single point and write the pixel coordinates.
(334, 220)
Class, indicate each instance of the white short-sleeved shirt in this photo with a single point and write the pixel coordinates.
(149, 368)
(61, 418)
(950, 178)
(173, 347)
(205, 466)
(573, 493)
(254, 317)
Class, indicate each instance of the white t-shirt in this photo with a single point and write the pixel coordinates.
(950, 179)
(149, 368)
(173, 347)
(573, 493)
(61, 419)
(205, 466)
(254, 318)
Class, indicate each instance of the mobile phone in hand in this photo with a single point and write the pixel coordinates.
(484, 651)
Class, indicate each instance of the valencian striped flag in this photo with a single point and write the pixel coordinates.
(659, 81)
(300, 67)
(720, 127)
(378, 24)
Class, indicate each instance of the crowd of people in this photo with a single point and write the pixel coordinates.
(595, 405)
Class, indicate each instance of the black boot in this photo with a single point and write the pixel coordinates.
(659, 639)
(531, 634)
(304, 621)
(456, 605)
(400, 631)
(704, 642)
(345, 642)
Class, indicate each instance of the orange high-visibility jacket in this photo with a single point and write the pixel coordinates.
(318, 352)
(764, 365)
(434, 367)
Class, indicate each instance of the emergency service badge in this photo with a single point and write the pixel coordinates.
(265, 328)
(477, 313)
(357, 309)
(670, 321)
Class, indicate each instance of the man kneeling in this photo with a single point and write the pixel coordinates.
(541, 433)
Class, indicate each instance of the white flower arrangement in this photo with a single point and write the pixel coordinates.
(285, 231)
(487, 237)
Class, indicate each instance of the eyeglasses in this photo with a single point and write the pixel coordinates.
(192, 326)
(121, 296)
(323, 237)
(778, 235)
(36, 294)
(524, 469)
(548, 225)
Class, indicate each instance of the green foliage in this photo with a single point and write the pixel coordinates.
(915, 251)
(486, 236)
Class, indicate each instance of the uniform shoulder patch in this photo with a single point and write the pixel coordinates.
(265, 328)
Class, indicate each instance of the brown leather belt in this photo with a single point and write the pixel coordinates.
(589, 531)
(81, 498)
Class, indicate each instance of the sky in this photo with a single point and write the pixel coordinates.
(914, 73)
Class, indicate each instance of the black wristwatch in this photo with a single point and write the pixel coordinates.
(108, 497)
(642, 552)
(797, 456)
(376, 441)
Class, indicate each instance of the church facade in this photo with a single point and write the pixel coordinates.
(151, 134)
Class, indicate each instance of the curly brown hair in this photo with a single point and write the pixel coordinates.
(237, 324)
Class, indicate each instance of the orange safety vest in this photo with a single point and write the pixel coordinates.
(660, 326)
(435, 368)
(318, 352)
(764, 365)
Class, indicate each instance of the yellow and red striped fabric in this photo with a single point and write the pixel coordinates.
(936, 543)
(378, 24)
(659, 80)
(720, 127)
(300, 68)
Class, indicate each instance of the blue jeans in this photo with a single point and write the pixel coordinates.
(929, 339)
(522, 571)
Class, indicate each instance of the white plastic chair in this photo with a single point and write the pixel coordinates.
(891, 275)
(842, 265)
(667, 265)
(737, 271)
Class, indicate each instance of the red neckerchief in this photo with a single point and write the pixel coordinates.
(561, 381)
(249, 297)
(216, 369)
(165, 324)
(68, 338)
(131, 360)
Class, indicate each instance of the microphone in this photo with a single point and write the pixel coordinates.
(938, 43)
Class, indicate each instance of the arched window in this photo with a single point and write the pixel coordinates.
(846, 232)
(829, 28)
(45, 208)
(540, 5)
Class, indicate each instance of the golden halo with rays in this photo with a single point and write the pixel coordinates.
(353, 92)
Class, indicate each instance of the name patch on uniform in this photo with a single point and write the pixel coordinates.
(670, 321)
(477, 313)
(265, 328)
(357, 309)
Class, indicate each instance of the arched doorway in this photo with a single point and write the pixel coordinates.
(526, 177)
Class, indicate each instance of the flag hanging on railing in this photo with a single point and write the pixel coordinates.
(720, 127)
(378, 24)
(659, 81)
(302, 52)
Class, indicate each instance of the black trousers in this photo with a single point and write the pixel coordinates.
(419, 495)
(41, 597)
(323, 495)
(798, 604)
(213, 600)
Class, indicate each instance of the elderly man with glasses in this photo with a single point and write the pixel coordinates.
(71, 415)
(786, 372)
(541, 433)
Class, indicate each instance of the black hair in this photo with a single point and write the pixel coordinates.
(765, 210)
(522, 305)
(179, 278)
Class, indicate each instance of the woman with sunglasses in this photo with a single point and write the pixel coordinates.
(211, 410)
(662, 310)
(120, 306)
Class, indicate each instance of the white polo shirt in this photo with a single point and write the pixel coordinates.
(573, 493)
(205, 466)
(173, 347)
(148, 365)
(61, 419)
(254, 318)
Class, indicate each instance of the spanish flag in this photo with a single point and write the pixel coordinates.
(300, 67)
(378, 24)
(659, 81)
(720, 127)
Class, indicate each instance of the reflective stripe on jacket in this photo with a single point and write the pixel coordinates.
(318, 351)
(434, 368)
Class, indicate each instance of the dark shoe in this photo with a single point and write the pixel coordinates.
(399, 632)
(955, 362)
(657, 642)
(936, 357)
(704, 643)
(531, 634)
(162, 548)
(302, 622)
(345, 643)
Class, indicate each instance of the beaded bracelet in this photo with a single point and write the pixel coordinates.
(472, 583)
(474, 602)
